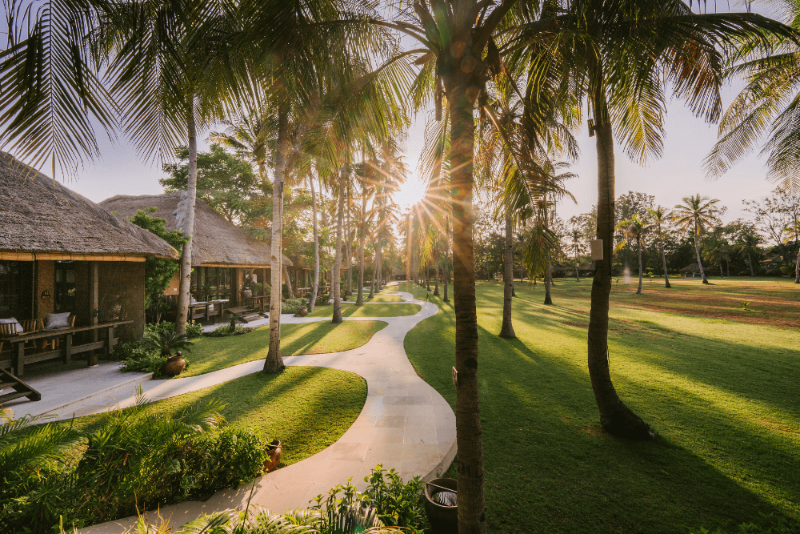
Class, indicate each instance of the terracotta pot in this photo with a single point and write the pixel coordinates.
(175, 364)
(274, 451)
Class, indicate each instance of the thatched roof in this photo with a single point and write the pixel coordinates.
(216, 241)
(691, 268)
(39, 215)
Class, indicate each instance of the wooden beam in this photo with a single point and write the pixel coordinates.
(94, 305)
(66, 256)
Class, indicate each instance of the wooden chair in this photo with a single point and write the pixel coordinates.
(31, 325)
(54, 342)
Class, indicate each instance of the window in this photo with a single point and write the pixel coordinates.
(16, 289)
(209, 283)
(65, 287)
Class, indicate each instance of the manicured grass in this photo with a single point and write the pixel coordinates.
(307, 408)
(381, 297)
(368, 310)
(722, 393)
(214, 353)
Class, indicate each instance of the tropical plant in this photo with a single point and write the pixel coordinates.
(633, 229)
(158, 272)
(766, 108)
(622, 56)
(661, 218)
(166, 341)
(697, 214)
(747, 243)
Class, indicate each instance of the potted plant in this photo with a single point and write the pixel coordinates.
(165, 341)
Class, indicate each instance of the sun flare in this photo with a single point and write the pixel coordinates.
(410, 192)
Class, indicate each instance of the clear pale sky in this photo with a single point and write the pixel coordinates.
(677, 174)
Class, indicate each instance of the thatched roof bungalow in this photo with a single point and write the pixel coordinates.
(62, 253)
(226, 260)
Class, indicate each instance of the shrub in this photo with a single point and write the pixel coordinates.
(293, 305)
(225, 330)
(397, 504)
(147, 362)
(768, 524)
(193, 328)
(223, 459)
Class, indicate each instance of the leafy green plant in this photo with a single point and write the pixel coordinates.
(166, 341)
(293, 305)
(193, 328)
(149, 361)
(226, 330)
(397, 504)
(744, 306)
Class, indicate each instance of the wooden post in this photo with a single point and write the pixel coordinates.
(68, 348)
(94, 306)
(19, 365)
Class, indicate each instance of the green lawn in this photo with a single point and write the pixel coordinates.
(367, 310)
(214, 353)
(381, 297)
(722, 393)
(307, 408)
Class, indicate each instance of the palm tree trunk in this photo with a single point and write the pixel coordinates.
(639, 242)
(337, 270)
(380, 264)
(664, 259)
(750, 263)
(471, 498)
(797, 268)
(507, 328)
(288, 279)
(274, 362)
(446, 280)
(548, 278)
(697, 251)
(615, 417)
(362, 243)
(187, 208)
(577, 272)
(348, 246)
(408, 243)
(721, 272)
(436, 279)
(312, 300)
(374, 272)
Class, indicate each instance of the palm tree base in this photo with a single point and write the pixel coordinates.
(667, 285)
(336, 320)
(548, 301)
(705, 281)
(507, 333)
(273, 367)
(623, 423)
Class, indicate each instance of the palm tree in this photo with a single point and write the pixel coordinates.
(696, 214)
(633, 229)
(577, 246)
(622, 56)
(661, 218)
(716, 251)
(748, 244)
(766, 107)
(161, 73)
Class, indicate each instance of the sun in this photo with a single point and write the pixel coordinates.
(410, 192)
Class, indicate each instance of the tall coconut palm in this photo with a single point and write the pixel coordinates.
(623, 56)
(717, 251)
(697, 214)
(661, 218)
(577, 245)
(765, 109)
(162, 73)
(633, 229)
(454, 36)
(747, 244)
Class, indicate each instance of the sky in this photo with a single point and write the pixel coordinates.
(678, 173)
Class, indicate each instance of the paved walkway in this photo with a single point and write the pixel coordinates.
(405, 425)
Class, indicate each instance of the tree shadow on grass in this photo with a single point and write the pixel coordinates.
(547, 458)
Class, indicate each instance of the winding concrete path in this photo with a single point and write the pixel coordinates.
(404, 425)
